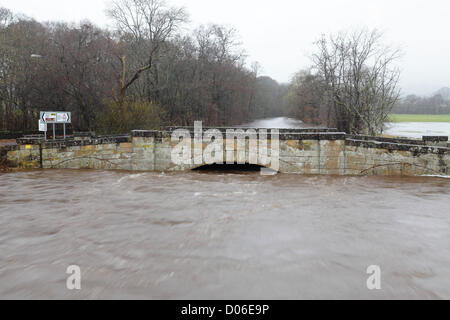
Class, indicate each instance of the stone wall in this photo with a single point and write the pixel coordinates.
(310, 152)
(24, 156)
(395, 159)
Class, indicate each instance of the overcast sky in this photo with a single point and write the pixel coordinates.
(279, 34)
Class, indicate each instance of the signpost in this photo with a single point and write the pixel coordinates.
(55, 117)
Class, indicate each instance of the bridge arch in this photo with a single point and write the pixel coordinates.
(235, 167)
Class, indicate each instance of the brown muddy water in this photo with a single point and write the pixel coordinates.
(222, 235)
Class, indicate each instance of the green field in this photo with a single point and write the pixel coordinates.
(419, 118)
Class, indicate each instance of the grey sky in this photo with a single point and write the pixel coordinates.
(279, 34)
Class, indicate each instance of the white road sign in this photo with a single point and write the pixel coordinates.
(48, 117)
(56, 117)
(62, 117)
(42, 126)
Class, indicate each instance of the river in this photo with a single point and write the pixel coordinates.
(414, 130)
(222, 235)
(417, 130)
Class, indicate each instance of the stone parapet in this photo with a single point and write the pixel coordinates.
(281, 130)
(72, 142)
(414, 148)
(282, 135)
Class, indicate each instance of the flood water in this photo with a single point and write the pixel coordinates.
(413, 130)
(222, 235)
(231, 235)
(417, 130)
(278, 123)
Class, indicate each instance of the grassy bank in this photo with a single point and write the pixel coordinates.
(419, 118)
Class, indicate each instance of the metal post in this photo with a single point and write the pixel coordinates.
(64, 131)
(54, 132)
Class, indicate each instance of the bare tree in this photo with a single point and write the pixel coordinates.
(82, 58)
(6, 16)
(304, 100)
(361, 81)
(148, 23)
(82, 68)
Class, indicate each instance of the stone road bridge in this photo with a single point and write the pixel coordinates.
(301, 151)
